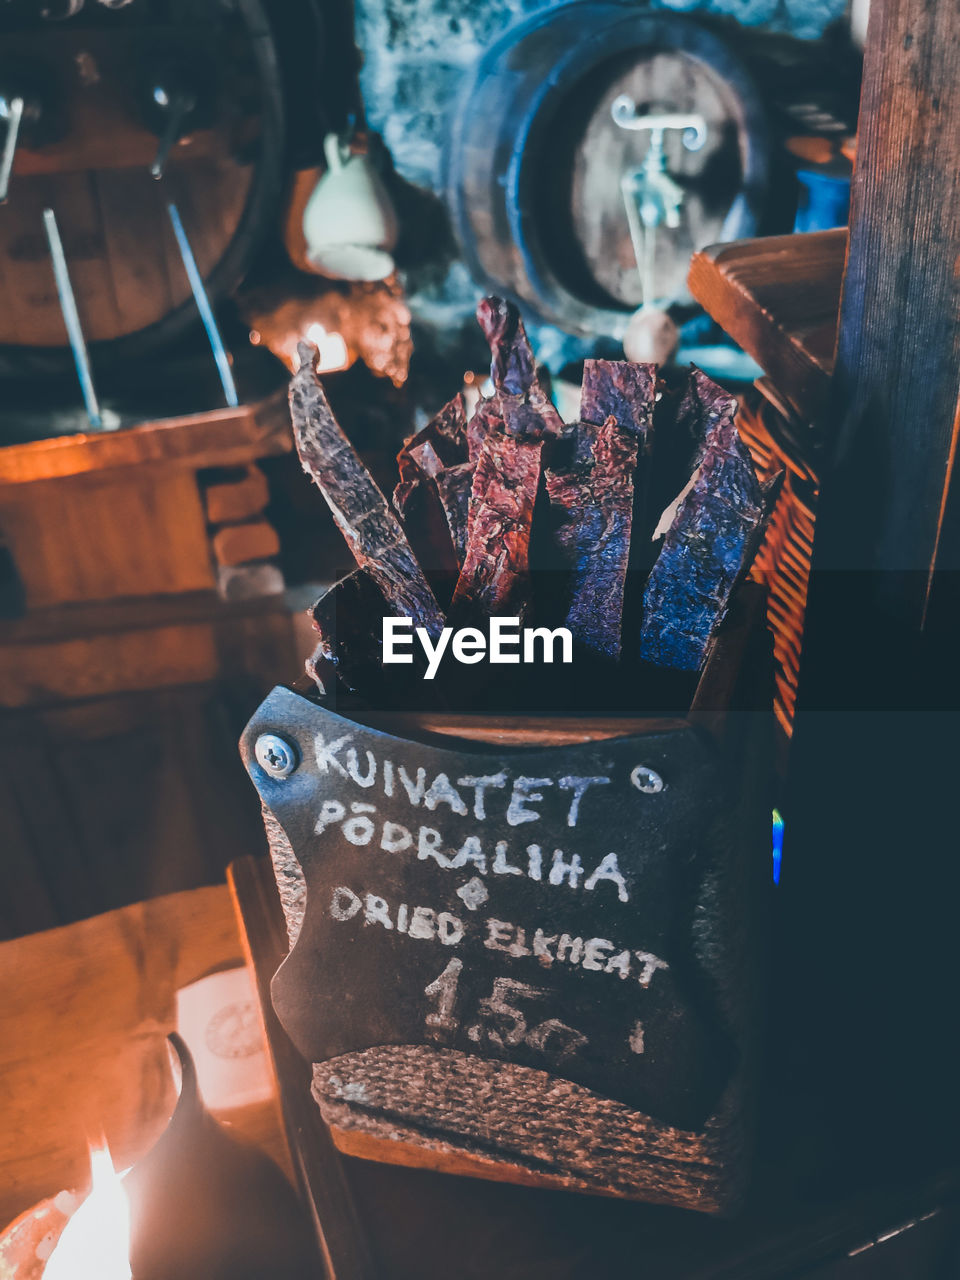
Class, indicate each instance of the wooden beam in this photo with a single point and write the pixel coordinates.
(215, 438)
(897, 375)
(778, 298)
(870, 810)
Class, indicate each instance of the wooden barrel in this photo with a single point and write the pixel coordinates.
(534, 158)
(101, 84)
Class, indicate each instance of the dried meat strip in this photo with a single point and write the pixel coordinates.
(622, 390)
(454, 485)
(434, 491)
(512, 366)
(445, 433)
(518, 400)
(496, 567)
(706, 549)
(592, 501)
(505, 438)
(361, 512)
(592, 498)
(348, 652)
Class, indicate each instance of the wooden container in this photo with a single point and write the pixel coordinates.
(534, 158)
(524, 949)
(108, 94)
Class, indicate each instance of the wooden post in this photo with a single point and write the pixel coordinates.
(870, 879)
(897, 375)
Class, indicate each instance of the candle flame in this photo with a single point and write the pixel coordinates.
(95, 1243)
(331, 346)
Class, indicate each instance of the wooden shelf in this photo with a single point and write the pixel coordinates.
(215, 438)
(778, 297)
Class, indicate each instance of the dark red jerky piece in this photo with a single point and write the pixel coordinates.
(530, 419)
(423, 497)
(446, 433)
(593, 501)
(496, 567)
(519, 402)
(488, 417)
(454, 485)
(441, 443)
(424, 518)
(705, 550)
(512, 367)
(349, 654)
(347, 617)
(360, 510)
(622, 390)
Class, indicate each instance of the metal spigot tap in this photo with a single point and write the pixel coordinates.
(658, 198)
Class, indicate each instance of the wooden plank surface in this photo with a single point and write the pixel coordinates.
(84, 1011)
(216, 438)
(102, 539)
(157, 650)
(778, 298)
(89, 668)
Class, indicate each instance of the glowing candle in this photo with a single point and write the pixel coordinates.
(95, 1243)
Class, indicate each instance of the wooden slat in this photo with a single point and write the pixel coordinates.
(104, 617)
(100, 540)
(73, 198)
(101, 139)
(216, 438)
(211, 198)
(778, 298)
(897, 393)
(88, 668)
(27, 271)
(319, 1168)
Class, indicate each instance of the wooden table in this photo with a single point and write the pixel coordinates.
(84, 1011)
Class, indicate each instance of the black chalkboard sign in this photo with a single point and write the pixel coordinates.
(538, 906)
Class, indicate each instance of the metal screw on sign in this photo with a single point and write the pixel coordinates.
(275, 756)
(646, 780)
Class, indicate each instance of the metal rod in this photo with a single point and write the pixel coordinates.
(71, 318)
(11, 110)
(205, 309)
(176, 106)
(641, 236)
